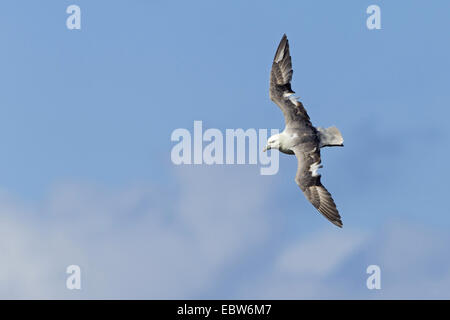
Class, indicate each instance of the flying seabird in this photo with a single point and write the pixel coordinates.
(300, 137)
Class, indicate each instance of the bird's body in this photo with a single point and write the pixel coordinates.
(300, 137)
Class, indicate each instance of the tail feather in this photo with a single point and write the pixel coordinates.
(330, 137)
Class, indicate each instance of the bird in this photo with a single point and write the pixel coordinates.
(300, 137)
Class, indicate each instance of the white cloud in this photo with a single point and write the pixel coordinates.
(320, 254)
(136, 243)
(209, 234)
(414, 263)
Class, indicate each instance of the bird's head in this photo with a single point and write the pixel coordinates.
(273, 142)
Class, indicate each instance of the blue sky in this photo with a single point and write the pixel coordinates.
(85, 171)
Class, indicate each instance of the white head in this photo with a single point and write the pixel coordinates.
(273, 142)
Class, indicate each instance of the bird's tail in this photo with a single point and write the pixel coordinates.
(330, 137)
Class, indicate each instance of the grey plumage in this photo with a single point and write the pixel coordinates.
(300, 137)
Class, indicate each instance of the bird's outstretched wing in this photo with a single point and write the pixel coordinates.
(308, 180)
(280, 90)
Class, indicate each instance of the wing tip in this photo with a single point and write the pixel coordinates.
(282, 47)
(333, 217)
(328, 208)
(338, 223)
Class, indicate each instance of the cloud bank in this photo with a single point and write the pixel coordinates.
(206, 237)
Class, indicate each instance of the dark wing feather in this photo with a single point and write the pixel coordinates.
(280, 86)
(309, 182)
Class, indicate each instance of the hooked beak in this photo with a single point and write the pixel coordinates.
(266, 148)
